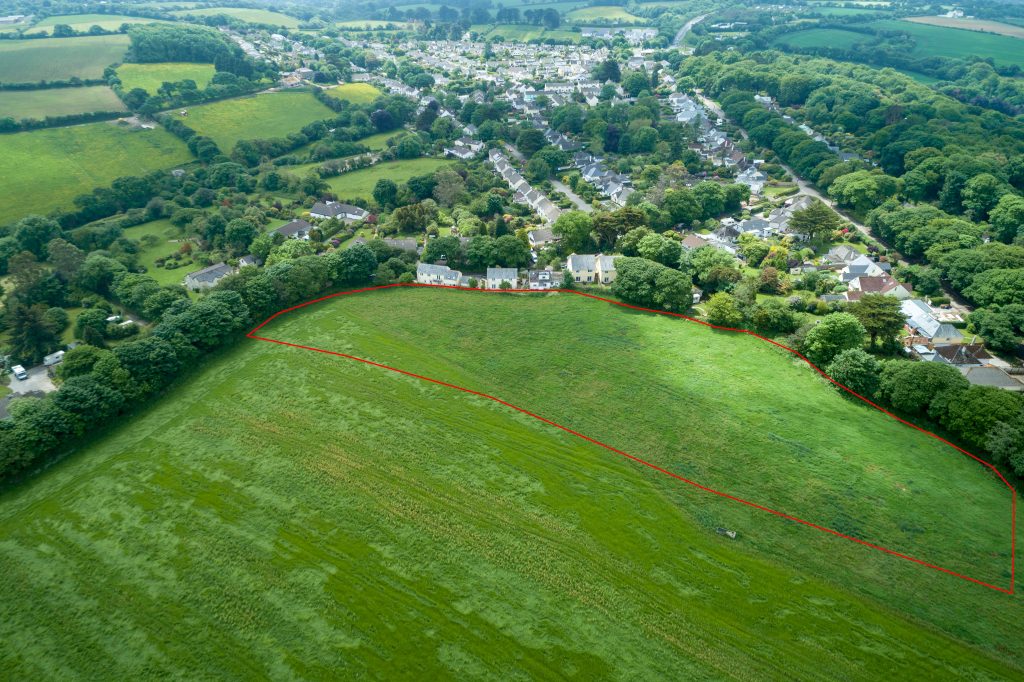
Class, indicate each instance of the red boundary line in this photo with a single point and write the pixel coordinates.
(1013, 498)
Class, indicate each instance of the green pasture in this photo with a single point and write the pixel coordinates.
(371, 24)
(313, 517)
(611, 13)
(29, 61)
(38, 104)
(253, 16)
(359, 184)
(150, 77)
(83, 22)
(523, 33)
(356, 93)
(938, 41)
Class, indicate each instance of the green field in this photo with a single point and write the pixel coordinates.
(523, 33)
(261, 116)
(150, 77)
(165, 231)
(253, 16)
(39, 104)
(83, 22)
(936, 41)
(314, 517)
(357, 93)
(57, 164)
(606, 14)
(371, 24)
(359, 184)
(822, 37)
(28, 61)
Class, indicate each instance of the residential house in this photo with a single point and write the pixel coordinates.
(333, 209)
(582, 266)
(693, 241)
(991, 376)
(542, 280)
(605, 269)
(497, 276)
(207, 277)
(541, 237)
(442, 275)
(921, 322)
(861, 266)
(881, 284)
(296, 229)
(842, 254)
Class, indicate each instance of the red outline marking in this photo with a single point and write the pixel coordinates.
(1013, 498)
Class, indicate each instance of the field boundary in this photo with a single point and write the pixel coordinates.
(1013, 493)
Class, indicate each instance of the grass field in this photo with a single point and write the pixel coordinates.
(55, 165)
(937, 41)
(370, 24)
(58, 102)
(972, 25)
(164, 231)
(523, 33)
(83, 22)
(357, 93)
(313, 517)
(612, 14)
(359, 184)
(822, 37)
(150, 77)
(254, 16)
(28, 61)
(258, 117)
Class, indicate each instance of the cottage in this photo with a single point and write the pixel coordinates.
(296, 229)
(882, 284)
(498, 276)
(207, 277)
(442, 275)
(541, 237)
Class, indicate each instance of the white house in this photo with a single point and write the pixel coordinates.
(437, 274)
(296, 229)
(540, 238)
(207, 277)
(542, 280)
(333, 209)
(496, 276)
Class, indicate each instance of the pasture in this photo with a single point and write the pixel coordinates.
(359, 184)
(29, 61)
(938, 41)
(150, 77)
(83, 22)
(523, 33)
(50, 167)
(38, 104)
(356, 93)
(983, 25)
(315, 517)
(603, 15)
(263, 116)
(253, 16)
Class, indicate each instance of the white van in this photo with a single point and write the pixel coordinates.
(19, 372)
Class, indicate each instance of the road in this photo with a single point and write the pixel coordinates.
(686, 29)
(575, 198)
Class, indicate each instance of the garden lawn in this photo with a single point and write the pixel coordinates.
(253, 16)
(38, 104)
(29, 61)
(165, 232)
(356, 93)
(937, 41)
(315, 517)
(268, 115)
(47, 169)
(83, 22)
(150, 77)
(359, 184)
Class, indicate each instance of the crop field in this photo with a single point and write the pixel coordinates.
(39, 104)
(822, 37)
(83, 22)
(50, 167)
(150, 77)
(29, 61)
(360, 183)
(254, 16)
(612, 14)
(261, 116)
(315, 517)
(972, 25)
(937, 41)
(357, 93)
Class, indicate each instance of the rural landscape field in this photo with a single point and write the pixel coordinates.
(520, 340)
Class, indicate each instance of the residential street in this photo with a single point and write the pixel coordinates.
(575, 198)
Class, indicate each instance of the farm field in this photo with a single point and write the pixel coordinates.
(359, 184)
(846, 11)
(150, 77)
(83, 22)
(523, 32)
(371, 24)
(316, 517)
(57, 164)
(29, 61)
(610, 14)
(261, 116)
(972, 25)
(357, 93)
(254, 16)
(937, 41)
(821, 37)
(38, 104)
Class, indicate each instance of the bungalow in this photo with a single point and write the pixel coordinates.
(692, 241)
(207, 277)
(541, 237)
(842, 254)
(497, 276)
(921, 322)
(437, 275)
(459, 151)
(542, 280)
(882, 284)
(333, 209)
(296, 229)
(861, 266)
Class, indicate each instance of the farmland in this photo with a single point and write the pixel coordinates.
(258, 117)
(83, 22)
(57, 164)
(937, 41)
(972, 25)
(822, 37)
(359, 184)
(315, 517)
(371, 24)
(28, 61)
(253, 16)
(150, 77)
(356, 93)
(603, 15)
(39, 104)
(523, 33)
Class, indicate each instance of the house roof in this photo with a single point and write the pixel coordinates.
(510, 274)
(962, 353)
(990, 376)
(442, 271)
(581, 261)
(211, 273)
(294, 227)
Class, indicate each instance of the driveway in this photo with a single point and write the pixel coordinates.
(38, 381)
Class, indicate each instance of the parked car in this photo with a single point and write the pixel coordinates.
(19, 372)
